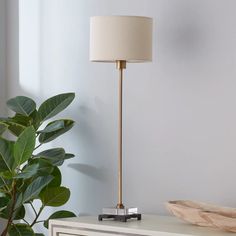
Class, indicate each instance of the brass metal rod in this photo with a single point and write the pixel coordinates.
(120, 65)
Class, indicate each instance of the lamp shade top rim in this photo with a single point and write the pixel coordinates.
(131, 16)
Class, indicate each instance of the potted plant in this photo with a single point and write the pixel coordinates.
(27, 174)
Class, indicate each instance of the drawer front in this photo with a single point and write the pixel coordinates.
(81, 232)
(67, 234)
(85, 234)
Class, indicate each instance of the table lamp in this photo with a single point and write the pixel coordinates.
(120, 39)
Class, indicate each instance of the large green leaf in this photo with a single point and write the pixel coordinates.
(55, 156)
(45, 167)
(28, 172)
(58, 215)
(6, 155)
(35, 187)
(20, 230)
(24, 145)
(54, 105)
(22, 105)
(56, 196)
(62, 127)
(56, 182)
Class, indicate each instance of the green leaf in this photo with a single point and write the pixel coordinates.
(5, 212)
(56, 196)
(3, 127)
(4, 182)
(35, 119)
(35, 187)
(21, 120)
(22, 105)
(45, 167)
(28, 172)
(19, 198)
(15, 129)
(55, 155)
(56, 182)
(6, 155)
(24, 145)
(58, 215)
(58, 128)
(69, 156)
(54, 105)
(19, 213)
(53, 126)
(7, 175)
(20, 230)
(3, 203)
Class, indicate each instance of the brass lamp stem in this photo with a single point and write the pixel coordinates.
(120, 65)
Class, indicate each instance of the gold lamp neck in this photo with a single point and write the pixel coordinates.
(120, 64)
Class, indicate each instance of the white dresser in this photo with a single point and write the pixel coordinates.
(149, 225)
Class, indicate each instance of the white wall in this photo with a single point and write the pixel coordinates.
(179, 110)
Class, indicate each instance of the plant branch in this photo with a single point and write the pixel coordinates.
(38, 146)
(37, 216)
(5, 185)
(10, 219)
(39, 221)
(26, 221)
(33, 208)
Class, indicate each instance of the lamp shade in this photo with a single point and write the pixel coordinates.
(127, 38)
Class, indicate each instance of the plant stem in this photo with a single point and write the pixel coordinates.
(40, 221)
(26, 221)
(33, 208)
(37, 216)
(38, 146)
(10, 219)
(5, 184)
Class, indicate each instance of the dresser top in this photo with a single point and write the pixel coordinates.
(148, 225)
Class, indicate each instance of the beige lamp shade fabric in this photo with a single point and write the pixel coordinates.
(127, 38)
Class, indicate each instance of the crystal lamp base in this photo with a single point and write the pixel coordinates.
(120, 214)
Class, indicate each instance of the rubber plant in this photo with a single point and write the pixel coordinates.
(27, 174)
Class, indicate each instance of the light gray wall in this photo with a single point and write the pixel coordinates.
(179, 110)
(2, 66)
(12, 49)
(2, 54)
(9, 59)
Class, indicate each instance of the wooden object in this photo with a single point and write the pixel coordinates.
(204, 214)
(150, 225)
(220, 221)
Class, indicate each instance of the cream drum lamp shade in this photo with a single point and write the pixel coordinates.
(120, 38)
